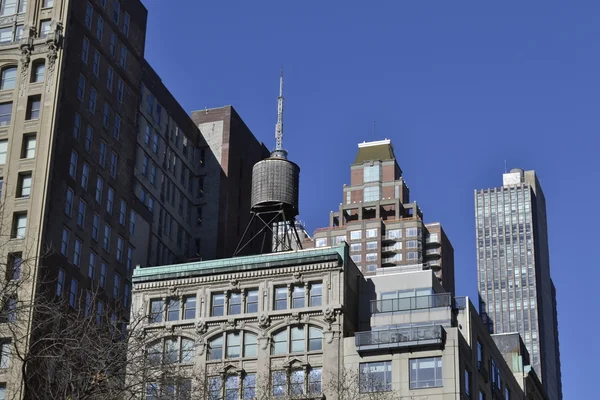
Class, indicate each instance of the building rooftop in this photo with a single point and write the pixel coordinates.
(375, 151)
(233, 264)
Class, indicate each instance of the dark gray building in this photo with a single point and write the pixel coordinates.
(515, 287)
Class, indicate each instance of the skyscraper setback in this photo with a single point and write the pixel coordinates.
(515, 287)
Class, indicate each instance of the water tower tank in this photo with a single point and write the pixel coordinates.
(275, 183)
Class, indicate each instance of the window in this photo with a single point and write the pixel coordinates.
(116, 286)
(252, 301)
(189, 307)
(92, 101)
(413, 256)
(153, 174)
(8, 7)
(122, 212)
(99, 311)
(468, 383)
(89, 11)
(279, 383)
(95, 227)
(60, 282)
(155, 143)
(371, 246)
(129, 258)
(14, 261)
(506, 393)
(375, 377)
(281, 297)
(316, 295)
(132, 217)
(33, 107)
(173, 310)
(298, 295)
(113, 44)
(92, 265)
(73, 293)
(355, 235)
(106, 241)
(100, 29)
(371, 257)
(102, 154)
(116, 9)
(120, 243)
(76, 126)
(110, 197)
(103, 268)
(28, 150)
(301, 338)
(5, 115)
(249, 386)
(109, 78)
(5, 354)
(89, 137)
(85, 50)
(120, 90)
(126, 22)
(235, 304)
(69, 203)
(218, 305)
(6, 35)
(38, 70)
(96, 64)
(19, 226)
(99, 187)
(64, 242)
(156, 310)
(81, 212)
(81, 88)
(106, 115)
(412, 232)
(24, 185)
(3, 150)
(45, 27)
(426, 372)
(9, 78)
(85, 173)
(113, 164)
(479, 355)
(371, 233)
(123, 57)
(356, 247)
(481, 395)
(321, 242)
(47, 3)
(117, 126)
(371, 173)
(371, 193)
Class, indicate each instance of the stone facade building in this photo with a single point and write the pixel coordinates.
(308, 324)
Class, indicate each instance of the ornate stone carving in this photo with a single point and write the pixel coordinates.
(170, 328)
(234, 283)
(329, 314)
(264, 321)
(297, 277)
(201, 327)
(229, 325)
(201, 348)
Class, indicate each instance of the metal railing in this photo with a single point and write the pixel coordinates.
(411, 303)
(400, 337)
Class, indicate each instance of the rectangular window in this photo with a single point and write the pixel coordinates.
(28, 150)
(279, 383)
(355, 235)
(106, 241)
(39, 70)
(123, 57)
(113, 164)
(126, 295)
(249, 387)
(47, 3)
(132, 217)
(116, 286)
(281, 296)
(316, 294)
(371, 233)
(113, 44)
(173, 310)
(371, 257)
(321, 242)
(479, 355)
(153, 174)
(117, 127)
(92, 265)
(85, 172)
(122, 212)
(412, 232)
(6, 35)
(85, 50)
(109, 78)
(481, 395)
(371, 174)
(252, 301)
(5, 113)
(189, 307)
(356, 247)
(372, 246)
(103, 269)
(73, 293)
(95, 227)
(92, 101)
(60, 282)
(73, 164)
(64, 242)
(45, 26)
(81, 88)
(426, 372)
(106, 115)
(468, 383)
(99, 188)
(120, 244)
(24, 186)
(102, 154)
(81, 213)
(116, 10)
(129, 258)
(96, 64)
(89, 12)
(89, 137)
(155, 143)
(19, 227)
(375, 377)
(13, 271)
(298, 295)
(110, 198)
(371, 193)
(235, 304)
(3, 151)
(8, 7)
(100, 29)
(33, 107)
(126, 22)
(120, 90)
(218, 305)
(76, 126)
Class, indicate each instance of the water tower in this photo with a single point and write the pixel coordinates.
(274, 198)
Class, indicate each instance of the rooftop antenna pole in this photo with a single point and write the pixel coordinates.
(504, 166)
(279, 126)
(374, 136)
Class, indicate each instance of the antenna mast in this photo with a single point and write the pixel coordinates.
(279, 126)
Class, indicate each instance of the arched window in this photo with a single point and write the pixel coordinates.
(171, 350)
(9, 78)
(38, 71)
(297, 339)
(233, 345)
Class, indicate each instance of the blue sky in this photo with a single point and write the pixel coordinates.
(459, 87)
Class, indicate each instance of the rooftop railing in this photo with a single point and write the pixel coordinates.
(433, 335)
(411, 303)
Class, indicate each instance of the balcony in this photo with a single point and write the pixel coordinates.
(420, 336)
(411, 303)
